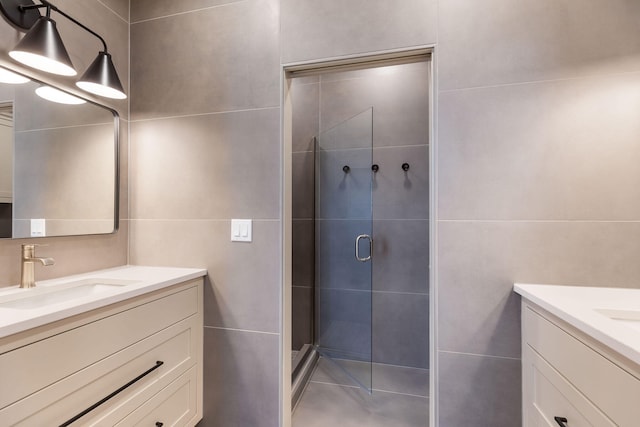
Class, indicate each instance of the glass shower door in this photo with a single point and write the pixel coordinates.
(344, 225)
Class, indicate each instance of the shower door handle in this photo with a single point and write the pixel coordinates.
(363, 236)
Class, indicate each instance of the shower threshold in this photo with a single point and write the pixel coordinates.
(301, 369)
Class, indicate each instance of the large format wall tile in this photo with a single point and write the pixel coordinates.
(399, 96)
(150, 9)
(401, 329)
(211, 166)
(479, 391)
(314, 30)
(120, 7)
(401, 256)
(226, 66)
(551, 150)
(501, 41)
(479, 262)
(243, 286)
(241, 375)
(399, 194)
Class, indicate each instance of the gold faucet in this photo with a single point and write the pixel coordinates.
(27, 275)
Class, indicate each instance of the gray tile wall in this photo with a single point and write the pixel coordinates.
(85, 253)
(536, 152)
(206, 149)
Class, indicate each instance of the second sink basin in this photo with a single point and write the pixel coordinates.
(630, 318)
(29, 299)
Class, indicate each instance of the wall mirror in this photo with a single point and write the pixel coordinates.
(58, 161)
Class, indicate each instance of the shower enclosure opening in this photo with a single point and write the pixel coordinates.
(360, 233)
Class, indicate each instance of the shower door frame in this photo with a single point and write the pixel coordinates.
(426, 53)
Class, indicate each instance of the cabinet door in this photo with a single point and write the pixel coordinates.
(175, 405)
(548, 395)
(607, 386)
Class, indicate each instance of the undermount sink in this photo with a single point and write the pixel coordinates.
(29, 299)
(630, 318)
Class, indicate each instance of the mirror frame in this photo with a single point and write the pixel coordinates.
(116, 153)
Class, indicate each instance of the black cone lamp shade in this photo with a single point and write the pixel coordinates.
(102, 79)
(42, 48)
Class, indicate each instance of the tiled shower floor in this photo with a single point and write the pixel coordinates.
(399, 398)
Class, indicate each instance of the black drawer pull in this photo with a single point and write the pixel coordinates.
(159, 424)
(562, 421)
(103, 400)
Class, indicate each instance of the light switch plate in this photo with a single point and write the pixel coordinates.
(38, 228)
(241, 230)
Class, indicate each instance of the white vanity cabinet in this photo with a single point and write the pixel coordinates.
(142, 358)
(571, 379)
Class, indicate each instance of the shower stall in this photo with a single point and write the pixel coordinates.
(360, 228)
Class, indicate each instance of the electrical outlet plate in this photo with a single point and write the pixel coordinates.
(38, 228)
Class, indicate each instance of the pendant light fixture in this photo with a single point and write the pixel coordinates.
(101, 78)
(42, 48)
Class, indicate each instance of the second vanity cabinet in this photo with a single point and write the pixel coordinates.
(571, 379)
(137, 362)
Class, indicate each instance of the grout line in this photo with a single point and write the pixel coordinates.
(114, 12)
(241, 330)
(200, 219)
(400, 219)
(211, 113)
(400, 292)
(84, 125)
(542, 221)
(372, 219)
(373, 389)
(385, 147)
(188, 11)
(379, 390)
(535, 82)
(372, 291)
(400, 366)
(480, 355)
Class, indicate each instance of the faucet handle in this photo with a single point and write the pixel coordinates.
(33, 245)
(29, 249)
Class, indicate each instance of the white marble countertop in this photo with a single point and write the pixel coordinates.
(608, 315)
(130, 281)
